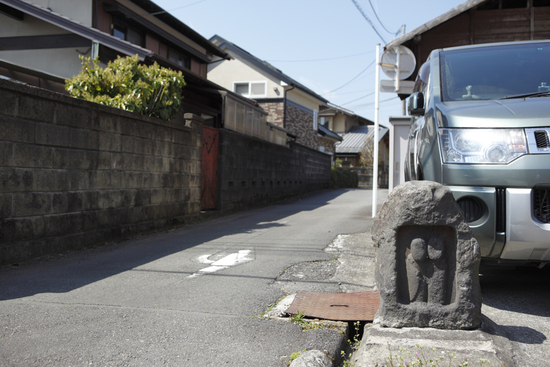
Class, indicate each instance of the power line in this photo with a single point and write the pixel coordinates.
(355, 77)
(368, 20)
(330, 58)
(354, 92)
(372, 103)
(365, 96)
(382, 24)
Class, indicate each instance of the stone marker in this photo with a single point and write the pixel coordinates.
(427, 260)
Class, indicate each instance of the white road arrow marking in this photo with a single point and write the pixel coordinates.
(230, 260)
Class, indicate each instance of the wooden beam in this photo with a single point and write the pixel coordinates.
(43, 42)
(472, 26)
(531, 19)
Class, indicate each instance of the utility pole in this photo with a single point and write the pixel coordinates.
(376, 132)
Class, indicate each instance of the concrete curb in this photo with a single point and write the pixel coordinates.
(311, 358)
(486, 343)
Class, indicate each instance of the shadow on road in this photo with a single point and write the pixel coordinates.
(72, 271)
(523, 334)
(523, 290)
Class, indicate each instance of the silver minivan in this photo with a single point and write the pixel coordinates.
(481, 127)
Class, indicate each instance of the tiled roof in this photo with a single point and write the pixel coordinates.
(354, 140)
(328, 133)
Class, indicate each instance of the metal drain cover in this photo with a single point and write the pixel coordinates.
(360, 306)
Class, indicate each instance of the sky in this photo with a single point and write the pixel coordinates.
(327, 45)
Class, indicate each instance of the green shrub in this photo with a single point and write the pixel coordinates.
(341, 178)
(125, 83)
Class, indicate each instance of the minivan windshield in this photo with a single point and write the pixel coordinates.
(502, 71)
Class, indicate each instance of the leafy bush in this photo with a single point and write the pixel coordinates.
(341, 178)
(125, 83)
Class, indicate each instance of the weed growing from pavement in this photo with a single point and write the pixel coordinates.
(406, 358)
(353, 343)
(270, 307)
(311, 324)
(293, 356)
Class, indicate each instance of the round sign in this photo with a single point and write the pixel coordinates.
(407, 62)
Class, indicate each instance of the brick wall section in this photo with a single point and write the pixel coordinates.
(254, 172)
(275, 112)
(74, 174)
(328, 144)
(299, 123)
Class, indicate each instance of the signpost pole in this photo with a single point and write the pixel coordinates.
(376, 132)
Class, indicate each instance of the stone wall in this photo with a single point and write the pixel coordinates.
(328, 145)
(74, 173)
(275, 112)
(300, 123)
(254, 172)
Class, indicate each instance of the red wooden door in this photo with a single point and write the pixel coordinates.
(209, 183)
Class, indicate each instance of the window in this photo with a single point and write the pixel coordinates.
(124, 32)
(133, 36)
(119, 32)
(241, 88)
(500, 71)
(324, 121)
(179, 58)
(251, 89)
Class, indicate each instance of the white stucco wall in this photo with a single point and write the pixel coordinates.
(79, 10)
(228, 72)
(339, 123)
(399, 131)
(63, 62)
(29, 26)
(303, 99)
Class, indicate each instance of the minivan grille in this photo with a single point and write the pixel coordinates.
(470, 209)
(501, 210)
(541, 137)
(541, 204)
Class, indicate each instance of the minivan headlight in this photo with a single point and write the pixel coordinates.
(489, 146)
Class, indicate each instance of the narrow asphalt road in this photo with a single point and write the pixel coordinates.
(181, 298)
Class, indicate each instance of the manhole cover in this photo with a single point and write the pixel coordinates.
(360, 306)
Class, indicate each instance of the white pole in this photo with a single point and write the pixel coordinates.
(398, 70)
(376, 132)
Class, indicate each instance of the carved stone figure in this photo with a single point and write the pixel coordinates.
(427, 260)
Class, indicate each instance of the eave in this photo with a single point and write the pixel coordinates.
(74, 27)
(434, 22)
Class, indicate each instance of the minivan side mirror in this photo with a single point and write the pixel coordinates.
(416, 104)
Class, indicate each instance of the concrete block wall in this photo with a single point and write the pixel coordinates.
(254, 172)
(74, 174)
